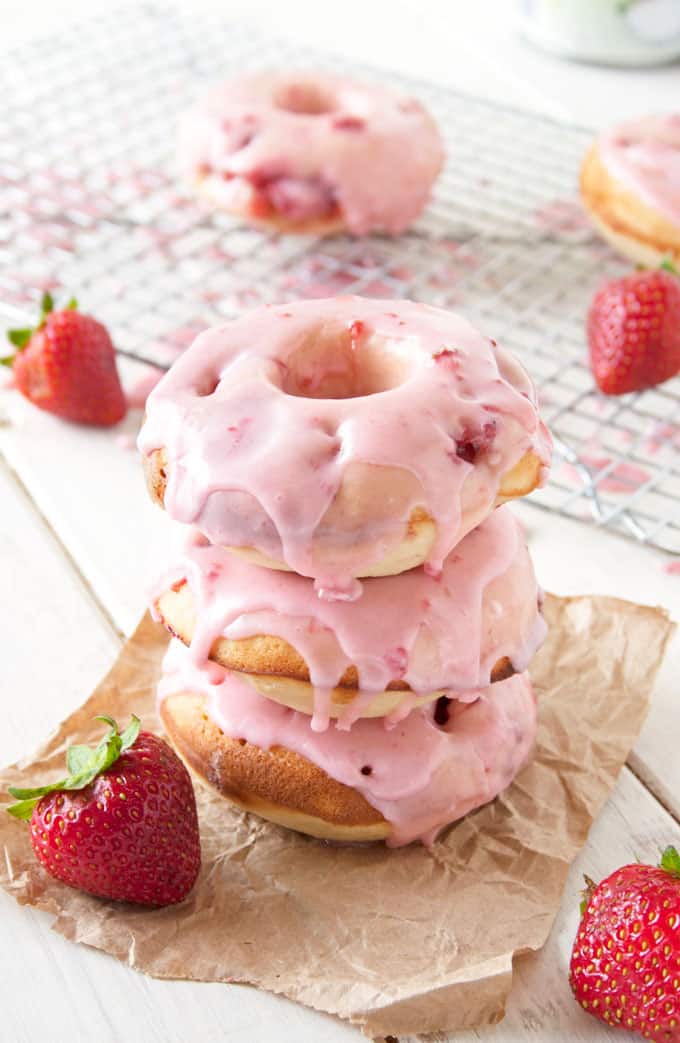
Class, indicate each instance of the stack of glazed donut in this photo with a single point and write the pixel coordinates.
(353, 610)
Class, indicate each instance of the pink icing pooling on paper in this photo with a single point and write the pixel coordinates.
(426, 413)
(422, 775)
(644, 155)
(443, 634)
(307, 144)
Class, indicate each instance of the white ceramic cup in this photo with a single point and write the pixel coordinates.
(611, 32)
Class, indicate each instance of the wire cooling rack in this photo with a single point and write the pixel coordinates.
(89, 203)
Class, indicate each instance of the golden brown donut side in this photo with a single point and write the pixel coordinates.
(265, 653)
(629, 224)
(521, 479)
(276, 783)
(156, 475)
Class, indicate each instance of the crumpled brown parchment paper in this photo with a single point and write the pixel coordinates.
(402, 941)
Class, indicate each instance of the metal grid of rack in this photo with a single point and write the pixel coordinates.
(89, 201)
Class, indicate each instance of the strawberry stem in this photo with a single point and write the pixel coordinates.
(587, 893)
(670, 861)
(84, 764)
(46, 306)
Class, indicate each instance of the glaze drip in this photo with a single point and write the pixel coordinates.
(444, 633)
(423, 775)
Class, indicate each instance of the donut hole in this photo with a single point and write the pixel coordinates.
(441, 711)
(332, 366)
(304, 99)
(206, 386)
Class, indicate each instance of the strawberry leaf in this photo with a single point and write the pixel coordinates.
(7, 360)
(129, 736)
(23, 810)
(19, 338)
(668, 266)
(107, 720)
(79, 759)
(670, 861)
(84, 763)
(46, 307)
(37, 791)
(72, 304)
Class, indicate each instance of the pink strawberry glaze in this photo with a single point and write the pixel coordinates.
(310, 431)
(309, 142)
(644, 155)
(442, 634)
(422, 775)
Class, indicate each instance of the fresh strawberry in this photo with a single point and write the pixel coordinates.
(634, 331)
(67, 366)
(123, 825)
(625, 965)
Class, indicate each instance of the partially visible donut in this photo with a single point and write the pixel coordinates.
(312, 153)
(630, 186)
(409, 639)
(343, 437)
(369, 784)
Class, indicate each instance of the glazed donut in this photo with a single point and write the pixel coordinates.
(408, 640)
(343, 437)
(373, 783)
(630, 185)
(312, 153)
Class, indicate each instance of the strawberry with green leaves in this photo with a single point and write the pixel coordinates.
(123, 825)
(625, 964)
(67, 366)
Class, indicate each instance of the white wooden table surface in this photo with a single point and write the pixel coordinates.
(75, 526)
